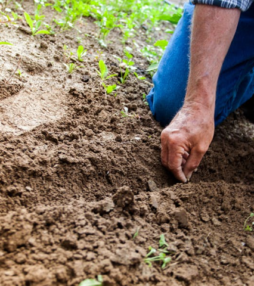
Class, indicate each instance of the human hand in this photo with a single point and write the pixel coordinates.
(186, 139)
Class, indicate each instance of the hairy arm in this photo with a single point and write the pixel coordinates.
(186, 139)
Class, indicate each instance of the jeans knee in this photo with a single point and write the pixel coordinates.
(163, 105)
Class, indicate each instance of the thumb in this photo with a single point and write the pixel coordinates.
(192, 162)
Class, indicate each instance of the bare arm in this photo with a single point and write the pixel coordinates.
(187, 138)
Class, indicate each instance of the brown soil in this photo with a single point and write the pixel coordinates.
(77, 179)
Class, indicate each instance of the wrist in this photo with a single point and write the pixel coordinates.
(202, 90)
(200, 109)
(201, 96)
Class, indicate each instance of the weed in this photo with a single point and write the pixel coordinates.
(246, 226)
(35, 24)
(92, 282)
(80, 53)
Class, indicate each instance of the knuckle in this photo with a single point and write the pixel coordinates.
(193, 166)
(164, 135)
(173, 140)
(202, 149)
(168, 137)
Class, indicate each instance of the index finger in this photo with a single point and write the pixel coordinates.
(175, 160)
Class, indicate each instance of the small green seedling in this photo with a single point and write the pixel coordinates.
(109, 88)
(246, 226)
(151, 251)
(80, 53)
(70, 67)
(161, 44)
(153, 67)
(162, 257)
(103, 73)
(15, 16)
(139, 77)
(154, 56)
(35, 25)
(136, 233)
(49, 29)
(144, 99)
(127, 65)
(162, 241)
(125, 112)
(19, 73)
(6, 43)
(67, 53)
(92, 282)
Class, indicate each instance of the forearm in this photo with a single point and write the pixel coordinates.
(213, 29)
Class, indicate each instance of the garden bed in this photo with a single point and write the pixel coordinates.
(83, 191)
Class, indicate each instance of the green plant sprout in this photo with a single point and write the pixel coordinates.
(109, 88)
(246, 226)
(19, 73)
(127, 65)
(80, 53)
(71, 67)
(136, 233)
(151, 251)
(15, 16)
(68, 55)
(92, 282)
(139, 77)
(35, 24)
(155, 57)
(162, 257)
(103, 73)
(6, 43)
(144, 99)
(161, 44)
(162, 241)
(125, 112)
(49, 29)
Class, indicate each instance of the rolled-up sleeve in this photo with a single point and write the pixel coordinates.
(243, 5)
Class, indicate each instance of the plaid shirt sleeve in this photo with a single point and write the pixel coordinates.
(243, 5)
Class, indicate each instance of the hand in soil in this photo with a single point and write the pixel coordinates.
(186, 139)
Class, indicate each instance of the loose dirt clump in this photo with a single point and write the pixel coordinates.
(82, 188)
(7, 89)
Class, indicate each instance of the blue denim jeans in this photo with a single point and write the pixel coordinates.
(236, 81)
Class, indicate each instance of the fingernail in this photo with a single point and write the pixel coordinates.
(189, 177)
(196, 170)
